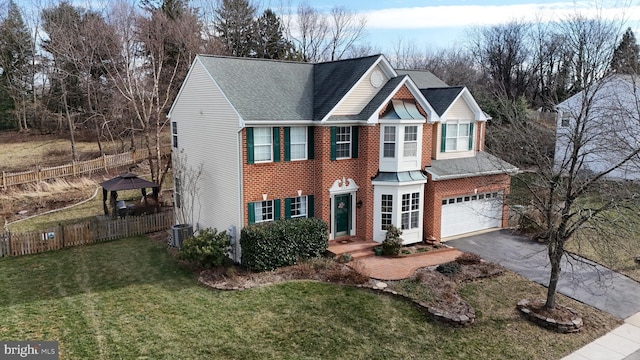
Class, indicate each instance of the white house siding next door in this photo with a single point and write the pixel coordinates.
(468, 213)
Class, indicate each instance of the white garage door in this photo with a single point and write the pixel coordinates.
(468, 213)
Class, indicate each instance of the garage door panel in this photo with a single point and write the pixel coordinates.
(464, 215)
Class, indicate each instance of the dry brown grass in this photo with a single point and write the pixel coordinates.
(43, 196)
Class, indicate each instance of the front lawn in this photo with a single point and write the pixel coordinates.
(129, 299)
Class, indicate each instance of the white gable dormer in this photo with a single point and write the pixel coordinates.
(457, 133)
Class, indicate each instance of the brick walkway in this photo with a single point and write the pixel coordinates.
(387, 268)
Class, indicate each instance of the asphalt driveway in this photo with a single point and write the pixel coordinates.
(582, 280)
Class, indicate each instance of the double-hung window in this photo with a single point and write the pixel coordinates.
(298, 143)
(298, 207)
(410, 217)
(262, 144)
(389, 142)
(264, 211)
(386, 211)
(457, 137)
(174, 134)
(410, 141)
(343, 142)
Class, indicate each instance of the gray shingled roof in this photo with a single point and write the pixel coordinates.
(423, 79)
(441, 98)
(481, 164)
(334, 79)
(269, 89)
(264, 89)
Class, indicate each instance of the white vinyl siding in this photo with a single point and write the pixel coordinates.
(360, 95)
(212, 141)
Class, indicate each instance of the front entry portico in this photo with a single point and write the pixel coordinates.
(343, 206)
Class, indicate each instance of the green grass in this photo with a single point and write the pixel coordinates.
(129, 299)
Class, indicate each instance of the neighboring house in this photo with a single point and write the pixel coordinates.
(605, 119)
(352, 142)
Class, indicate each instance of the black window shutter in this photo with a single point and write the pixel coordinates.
(287, 208)
(354, 142)
(310, 206)
(276, 144)
(276, 209)
(471, 136)
(287, 144)
(333, 142)
(310, 143)
(252, 213)
(443, 140)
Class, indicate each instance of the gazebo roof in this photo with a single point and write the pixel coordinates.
(127, 181)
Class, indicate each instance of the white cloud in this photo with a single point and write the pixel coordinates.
(468, 15)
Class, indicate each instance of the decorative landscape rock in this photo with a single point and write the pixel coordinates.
(528, 310)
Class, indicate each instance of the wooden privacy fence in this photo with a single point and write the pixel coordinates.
(88, 232)
(103, 163)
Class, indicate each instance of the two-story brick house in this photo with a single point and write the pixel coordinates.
(353, 142)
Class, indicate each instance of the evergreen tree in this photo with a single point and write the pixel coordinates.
(16, 53)
(235, 24)
(626, 58)
(270, 41)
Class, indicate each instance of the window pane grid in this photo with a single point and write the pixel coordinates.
(386, 211)
(457, 138)
(410, 218)
(298, 143)
(343, 142)
(389, 142)
(410, 141)
(299, 207)
(262, 144)
(264, 211)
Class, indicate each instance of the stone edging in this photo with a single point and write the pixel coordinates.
(559, 326)
(436, 314)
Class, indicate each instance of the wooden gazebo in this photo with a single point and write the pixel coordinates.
(127, 181)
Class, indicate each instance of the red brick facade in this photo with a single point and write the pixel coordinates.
(283, 179)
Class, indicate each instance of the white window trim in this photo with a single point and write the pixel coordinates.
(296, 200)
(410, 211)
(255, 145)
(405, 142)
(394, 142)
(382, 206)
(305, 144)
(344, 142)
(269, 203)
(447, 137)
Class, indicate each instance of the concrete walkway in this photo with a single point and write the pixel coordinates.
(622, 343)
(581, 279)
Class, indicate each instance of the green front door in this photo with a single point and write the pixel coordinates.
(343, 214)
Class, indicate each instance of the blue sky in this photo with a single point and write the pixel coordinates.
(437, 24)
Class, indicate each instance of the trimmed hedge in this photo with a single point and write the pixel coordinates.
(271, 245)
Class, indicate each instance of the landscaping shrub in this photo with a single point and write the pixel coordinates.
(271, 245)
(392, 241)
(206, 249)
(451, 268)
(468, 259)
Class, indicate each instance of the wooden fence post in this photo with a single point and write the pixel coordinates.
(4, 180)
(38, 175)
(61, 227)
(104, 160)
(74, 167)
